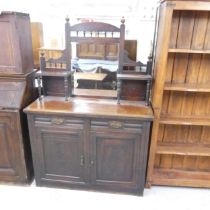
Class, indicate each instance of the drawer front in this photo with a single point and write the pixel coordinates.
(124, 125)
(59, 121)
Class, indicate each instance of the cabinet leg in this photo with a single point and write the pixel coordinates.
(148, 92)
(39, 80)
(118, 91)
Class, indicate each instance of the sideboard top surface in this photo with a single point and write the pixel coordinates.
(89, 107)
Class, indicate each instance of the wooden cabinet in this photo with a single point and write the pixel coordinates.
(180, 149)
(73, 148)
(16, 56)
(16, 91)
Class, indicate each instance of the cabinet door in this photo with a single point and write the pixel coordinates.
(10, 60)
(12, 167)
(116, 161)
(58, 153)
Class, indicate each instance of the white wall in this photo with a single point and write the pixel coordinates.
(139, 15)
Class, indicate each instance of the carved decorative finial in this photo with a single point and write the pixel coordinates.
(67, 19)
(123, 20)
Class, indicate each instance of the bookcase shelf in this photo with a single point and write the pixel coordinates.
(134, 77)
(183, 149)
(175, 177)
(187, 87)
(180, 50)
(185, 121)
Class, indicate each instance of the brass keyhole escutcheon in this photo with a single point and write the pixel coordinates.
(115, 124)
(57, 121)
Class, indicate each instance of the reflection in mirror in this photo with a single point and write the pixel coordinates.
(95, 67)
(95, 52)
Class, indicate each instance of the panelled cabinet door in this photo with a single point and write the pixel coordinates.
(10, 60)
(115, 161)
(11, 162)
(59, 155)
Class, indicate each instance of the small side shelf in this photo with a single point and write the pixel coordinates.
(95, 92)
(134, 77)
(177, 50)
(53, 73)
(52, 81)
(183, 149)
(140, 80)
(187, 87)
(185, 121)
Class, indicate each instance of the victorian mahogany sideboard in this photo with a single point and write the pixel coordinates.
(89, 143)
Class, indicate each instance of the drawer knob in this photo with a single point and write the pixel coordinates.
(57, 121)
(115, 124)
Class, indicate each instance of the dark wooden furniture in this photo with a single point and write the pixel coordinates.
(180, 144)
(16, 56)
(100, 41)
(92, 32)
(16, 91)
(87, 51)
(134, 85)
(89, 144)
(53, 83)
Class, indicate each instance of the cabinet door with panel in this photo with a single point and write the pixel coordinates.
(117, 156)
(9, 43)
(12, 166)
(58, 151)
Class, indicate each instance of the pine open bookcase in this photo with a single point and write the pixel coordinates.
(180, 144)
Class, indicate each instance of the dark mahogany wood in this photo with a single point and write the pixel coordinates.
(133, 90)
(60, 151)
(16, 56)
(115, 157)
(15, 153)
(54, 83)
(89, 143)
(16, 91)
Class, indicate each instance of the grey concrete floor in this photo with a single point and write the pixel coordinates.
(163, 198)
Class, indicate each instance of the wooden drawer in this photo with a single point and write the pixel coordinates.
(133, 126)
(59, 121)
